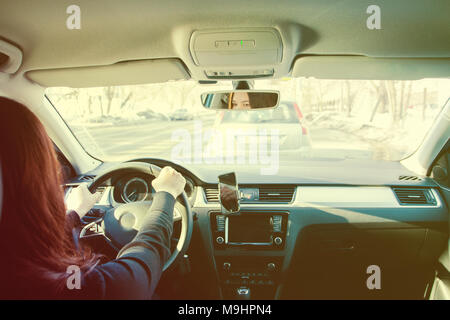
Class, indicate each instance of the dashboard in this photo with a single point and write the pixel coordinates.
(296, 226)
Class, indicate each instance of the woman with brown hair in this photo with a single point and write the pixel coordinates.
(35, 233)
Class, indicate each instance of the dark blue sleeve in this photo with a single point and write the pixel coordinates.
(135, 273)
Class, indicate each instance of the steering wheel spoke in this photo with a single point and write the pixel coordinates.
(92, 229)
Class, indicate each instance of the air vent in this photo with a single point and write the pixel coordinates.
(87, 178)
(409, 178)
(407, 196)
(266, 194)
(270, 194)
(212, 194)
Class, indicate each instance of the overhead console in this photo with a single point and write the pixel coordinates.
(237, 53)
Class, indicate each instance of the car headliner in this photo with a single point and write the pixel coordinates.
(114, 31)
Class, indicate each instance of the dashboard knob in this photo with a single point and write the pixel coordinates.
(226, 266)
(220, 240)
(278, 241)
(271, 267)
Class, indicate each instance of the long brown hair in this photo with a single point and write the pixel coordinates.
(34, 245)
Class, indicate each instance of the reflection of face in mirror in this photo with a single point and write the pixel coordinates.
(240, 101)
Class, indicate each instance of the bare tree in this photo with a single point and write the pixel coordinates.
(126, 100)
(380, 90)
(408, 94)
(402, 99)
(100, 104)
(392, 98)
(424, 102)
(109, 93)
(350, 95)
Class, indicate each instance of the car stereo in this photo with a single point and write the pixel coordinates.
(264, 230)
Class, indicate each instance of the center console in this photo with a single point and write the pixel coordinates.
(248, 245)
(249, 252)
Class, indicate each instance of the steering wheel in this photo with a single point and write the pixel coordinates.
(121, 224)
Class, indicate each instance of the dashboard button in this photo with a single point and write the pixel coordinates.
(226, 266)
(278, 241)
(220, 240)
(271, 267)
(221, 44)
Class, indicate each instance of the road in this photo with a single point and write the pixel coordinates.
(145, 139)
(158, 139)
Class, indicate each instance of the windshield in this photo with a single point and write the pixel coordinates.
(316, 119)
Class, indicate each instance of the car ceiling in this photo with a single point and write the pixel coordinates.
(114, 31)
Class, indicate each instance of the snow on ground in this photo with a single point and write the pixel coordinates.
(399, 138)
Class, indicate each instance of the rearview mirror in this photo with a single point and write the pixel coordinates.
(240, 100)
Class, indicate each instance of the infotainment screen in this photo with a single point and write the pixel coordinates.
(248, 229)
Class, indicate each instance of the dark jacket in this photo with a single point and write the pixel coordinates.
(135, 273)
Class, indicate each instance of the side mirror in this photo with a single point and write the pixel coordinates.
(240, 100)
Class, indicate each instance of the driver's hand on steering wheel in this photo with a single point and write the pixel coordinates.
(81, 200)
(169, 180)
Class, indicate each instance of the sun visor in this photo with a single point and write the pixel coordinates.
(121, 73)
(365, 68)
